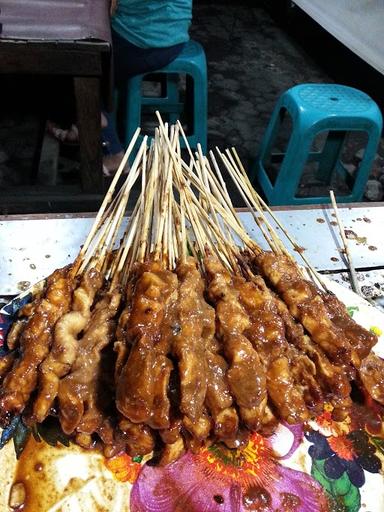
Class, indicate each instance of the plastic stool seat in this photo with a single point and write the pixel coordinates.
(333, 99)
(192, 62)
(317, 108)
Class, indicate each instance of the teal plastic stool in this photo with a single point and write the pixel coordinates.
(316, 108)
(190, 61)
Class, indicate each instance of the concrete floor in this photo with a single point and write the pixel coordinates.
(253, 56)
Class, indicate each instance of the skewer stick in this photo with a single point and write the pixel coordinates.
(114, 220)
(275, 247)
(258, 199)
(272, 238)
(110, 192)
(129, 234)
(354, 282)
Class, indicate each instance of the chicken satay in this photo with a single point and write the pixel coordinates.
(15, 331)
(246, 375)
(138, 438)
(99, 407)
(135, 388)
(65, 343)
(306, 305)
(267, 333)
(332, 379)
(171, 452)
(121, 346)
(163, 366)
(360, 339)
(371, 373)
(23, 316)
(78, 391)
(202, 370)
(161, 405)
(6, 363)
(188, 345)
(219, 400)
(35, 342)
(198, 428)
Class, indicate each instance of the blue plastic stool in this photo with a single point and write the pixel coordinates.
(190, 61)
(316, 108)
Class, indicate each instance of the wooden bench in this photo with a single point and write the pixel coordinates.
(72, 39)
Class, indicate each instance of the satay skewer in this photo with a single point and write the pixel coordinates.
(108, 197)
(354, 281)
(258, 201)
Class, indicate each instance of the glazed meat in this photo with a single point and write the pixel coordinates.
(188, 344)
(17, 327)
(333, 380)
(202, 370)
(65, 343)
(15, 333)
(267, 332)
(360, 339)
(6, 363)
(78, 391)
(122, 345)
(154, 291)
(246, 375)
(138, 438)
(306, 305)
(35, 342)
(219, 400)
(372, 376)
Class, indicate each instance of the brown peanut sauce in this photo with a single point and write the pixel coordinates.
(41, 481)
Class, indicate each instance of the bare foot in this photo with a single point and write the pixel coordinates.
(71, 135)
(112, 162)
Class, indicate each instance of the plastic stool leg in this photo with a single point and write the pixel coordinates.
(291, 169)
(365, 165)
(268, 141)
(133, 107)
(330, 155)
(200, 110)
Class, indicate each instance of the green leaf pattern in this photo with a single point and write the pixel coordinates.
(343, 495)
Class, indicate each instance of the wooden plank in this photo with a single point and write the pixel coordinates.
(88, 105)
(41, 59)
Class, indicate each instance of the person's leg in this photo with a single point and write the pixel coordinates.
(130, 60)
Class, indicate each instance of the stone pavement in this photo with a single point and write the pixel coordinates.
(251, 60)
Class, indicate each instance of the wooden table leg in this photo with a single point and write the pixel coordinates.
(42, 121)
(88, 104)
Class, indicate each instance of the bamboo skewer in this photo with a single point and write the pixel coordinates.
(117, 212)
(258, 200)
(354, 281)
(109, 195)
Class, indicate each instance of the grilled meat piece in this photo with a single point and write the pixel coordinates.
(65, 343)
(372, 375)
(78, 391)
(333, 380)
(155, 290)
(360, 339)
(305, 303)
(6, 363)
(246, 375)
(267, 333)
(138, 438)
(35, 343)
(188, 345)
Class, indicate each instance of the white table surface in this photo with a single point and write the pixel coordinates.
(31, 247)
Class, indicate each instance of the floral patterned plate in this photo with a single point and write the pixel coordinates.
(317, 467)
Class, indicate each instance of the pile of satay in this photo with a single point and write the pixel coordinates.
(182, 331)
